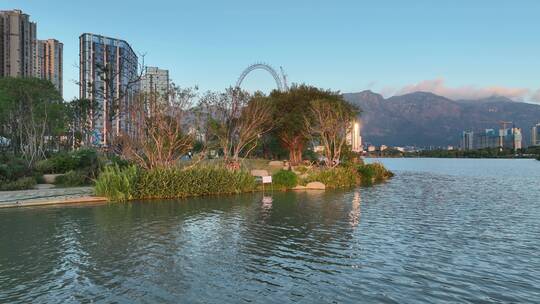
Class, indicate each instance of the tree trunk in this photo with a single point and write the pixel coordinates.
(295, 151)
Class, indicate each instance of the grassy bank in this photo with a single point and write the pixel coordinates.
(122, 184)
(130, 182)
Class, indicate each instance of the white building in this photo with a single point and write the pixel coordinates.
(354, 139)
(156, 80)
(49, 64)
(535, 135)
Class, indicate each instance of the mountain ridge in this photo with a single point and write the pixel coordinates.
(426, 119)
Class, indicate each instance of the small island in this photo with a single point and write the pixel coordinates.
(190, 145)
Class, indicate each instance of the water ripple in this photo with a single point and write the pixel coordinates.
(447, 235)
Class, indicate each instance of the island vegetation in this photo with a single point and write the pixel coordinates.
(193, 144)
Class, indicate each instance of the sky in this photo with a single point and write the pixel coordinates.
(459, 49)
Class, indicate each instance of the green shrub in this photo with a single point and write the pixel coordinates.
(13, 168)
(85, 158)
(72, 179)
(339, 177)
(39, 178)
(310, 155)
(118, 184)
(177, 182)
(63, 162)
(367, 174)
(118, 161)
(370, 173)
(44, 166)
(22, 183)
(284, 179)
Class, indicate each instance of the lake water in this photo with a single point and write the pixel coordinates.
(443, 230)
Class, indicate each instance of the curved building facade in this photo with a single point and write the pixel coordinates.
(108, 77)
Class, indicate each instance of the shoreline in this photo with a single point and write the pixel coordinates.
(100, 199)
(49, 202)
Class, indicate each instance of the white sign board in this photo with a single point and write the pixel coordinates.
(267, 179)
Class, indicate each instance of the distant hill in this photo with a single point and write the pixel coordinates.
(426, 119)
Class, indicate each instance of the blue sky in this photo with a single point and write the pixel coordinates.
(450, 47)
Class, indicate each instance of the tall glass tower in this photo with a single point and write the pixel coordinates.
(108, 77)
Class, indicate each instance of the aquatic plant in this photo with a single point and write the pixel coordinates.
(117, 184)
(284, 179)
(371, 173)
(177, 182)
(339, 177)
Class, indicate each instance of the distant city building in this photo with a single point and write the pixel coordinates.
(467, 140)
(535, 137)
(156, 80)
(17, 44)
(371, 148)
(49, 63)
(411, 149)
(383, 147)
(489, 138)
(109, 77)
(511, 138)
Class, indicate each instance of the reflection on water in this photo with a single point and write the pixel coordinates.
(426, 236)
(354, 215)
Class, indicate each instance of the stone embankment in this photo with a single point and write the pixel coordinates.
(48, 196)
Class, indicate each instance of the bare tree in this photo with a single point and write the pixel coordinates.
(255, 120)
(236, 120)
(161, 135)
(330, 121)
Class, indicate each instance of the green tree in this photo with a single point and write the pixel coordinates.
(290, 114)
(330, 121)
(32, 116)
(80, 127)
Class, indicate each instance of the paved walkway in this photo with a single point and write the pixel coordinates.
(44, 195)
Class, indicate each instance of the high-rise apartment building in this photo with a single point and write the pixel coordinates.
(49, 63)
(535, 135)
(506, 138)
(467, 140)
(511, 138)
(517, 137)
(17, 44)
(156, 80)
(108, 76)
(22, 55)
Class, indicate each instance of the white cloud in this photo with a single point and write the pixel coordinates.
(439, 87)
(536, 96)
